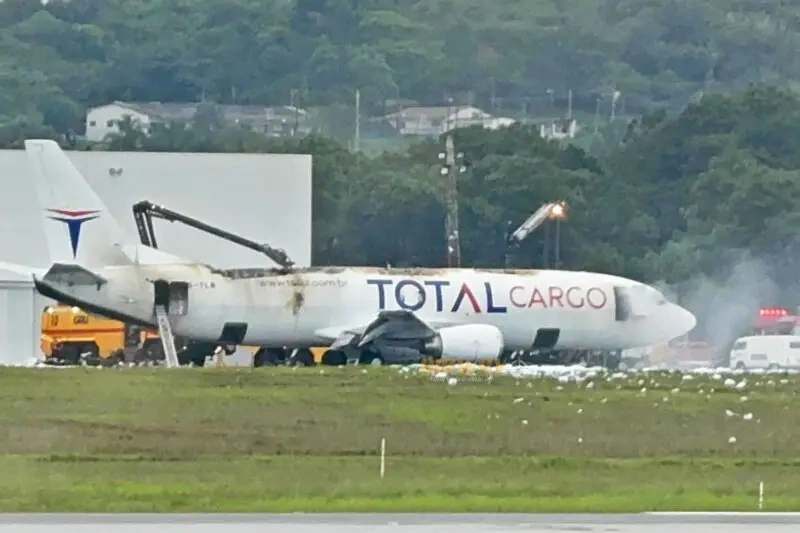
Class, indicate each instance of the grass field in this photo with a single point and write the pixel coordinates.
(278, 439)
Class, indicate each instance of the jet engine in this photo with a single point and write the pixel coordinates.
(467, 342)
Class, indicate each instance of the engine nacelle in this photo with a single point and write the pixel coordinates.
(467, 342)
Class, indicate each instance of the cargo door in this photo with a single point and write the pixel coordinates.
(622, 304)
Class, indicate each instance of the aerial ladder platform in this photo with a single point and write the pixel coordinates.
(144, 212)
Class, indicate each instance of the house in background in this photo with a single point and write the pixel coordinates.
(563, 128)
(270, 121)
(434, 121)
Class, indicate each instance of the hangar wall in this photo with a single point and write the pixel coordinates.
(265, 197)
(19, 334)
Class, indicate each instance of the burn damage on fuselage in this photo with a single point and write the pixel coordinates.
(252, 273)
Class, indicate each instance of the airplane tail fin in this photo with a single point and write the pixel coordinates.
(78, 226)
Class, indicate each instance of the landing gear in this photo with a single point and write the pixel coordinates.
(229, 349)
(303, 357)
(334, 358)
(151, 351)
(370, 357)
(269, 357)
(283, 356)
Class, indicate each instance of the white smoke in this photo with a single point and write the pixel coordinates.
(726, 306)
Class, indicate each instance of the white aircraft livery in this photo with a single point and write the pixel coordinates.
(467, 314)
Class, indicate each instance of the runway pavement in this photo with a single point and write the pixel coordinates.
(397, 523)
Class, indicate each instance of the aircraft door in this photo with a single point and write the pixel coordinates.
(178, 298)
(622, 304)
(174, 296)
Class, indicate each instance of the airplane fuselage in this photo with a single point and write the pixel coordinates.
(280, 309)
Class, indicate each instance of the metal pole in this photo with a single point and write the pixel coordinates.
(508, 245)
(569, 104)
(451, 221)
(597, 114)
(357, 136)
(558, 243)
(547, 244)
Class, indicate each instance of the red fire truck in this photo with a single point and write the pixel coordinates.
(775, 321)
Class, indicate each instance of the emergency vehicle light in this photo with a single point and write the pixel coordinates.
(773, 311)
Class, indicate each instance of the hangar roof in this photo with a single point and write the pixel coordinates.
(8, 275)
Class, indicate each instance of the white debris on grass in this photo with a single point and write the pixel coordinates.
(589, 376)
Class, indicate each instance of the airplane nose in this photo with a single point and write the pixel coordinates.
(682, 321)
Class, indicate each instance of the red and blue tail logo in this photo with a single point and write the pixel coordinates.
(74, 219)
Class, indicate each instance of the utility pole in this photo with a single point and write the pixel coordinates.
(569, 104)
(451, 168)
(357, 139)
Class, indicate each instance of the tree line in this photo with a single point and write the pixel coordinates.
(510, 57)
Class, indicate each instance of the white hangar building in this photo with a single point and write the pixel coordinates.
(264, 197)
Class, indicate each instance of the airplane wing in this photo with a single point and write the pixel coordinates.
(389, 325)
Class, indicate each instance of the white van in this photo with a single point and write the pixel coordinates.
(766, 351)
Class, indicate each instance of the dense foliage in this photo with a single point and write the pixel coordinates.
(513, 56)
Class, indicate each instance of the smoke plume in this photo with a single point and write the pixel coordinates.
(726, 305)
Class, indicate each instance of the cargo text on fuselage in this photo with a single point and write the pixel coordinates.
(445, 296)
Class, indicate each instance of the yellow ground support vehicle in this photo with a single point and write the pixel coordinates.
(70, 334)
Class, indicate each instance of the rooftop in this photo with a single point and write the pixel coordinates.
(186, 111)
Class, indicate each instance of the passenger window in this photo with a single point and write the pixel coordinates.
(758, 357)
(741, 345)
(794, 345)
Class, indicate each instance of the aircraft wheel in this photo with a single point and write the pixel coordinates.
(117, 356)
(507, 356)
(152, 350)
(260, 357)
(268, 357)
(740, 365)
(304, 357)
(90, 349)
(89, 353)
(334, 358)
(370, 357)
(69, 353)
